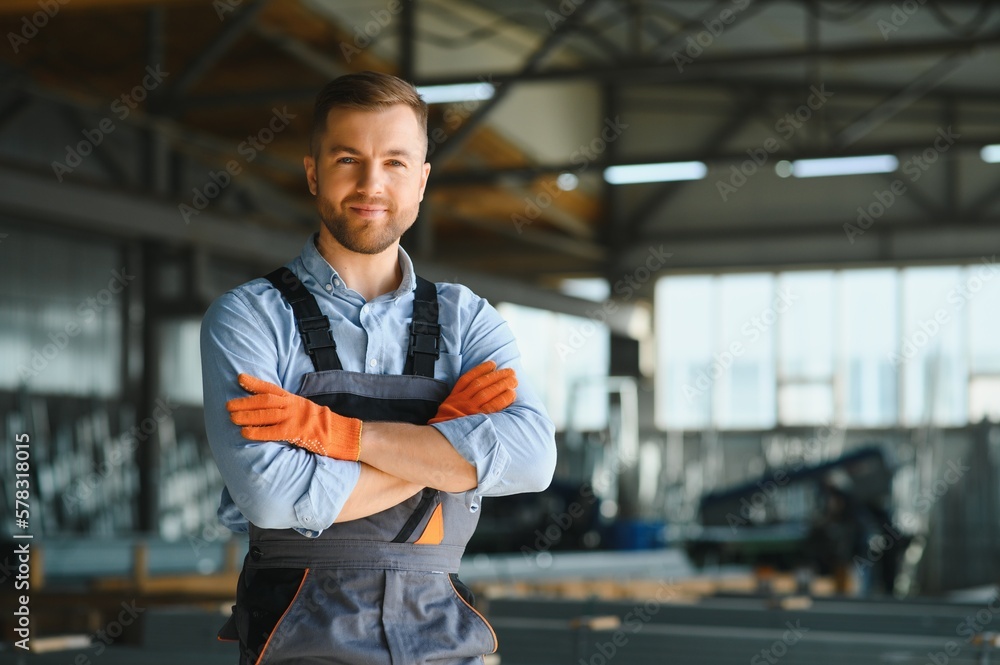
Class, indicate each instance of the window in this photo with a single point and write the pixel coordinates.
(866, 347)
(980, 294)
(929, 358)
(566, 358)
(716, 351)
(61, 303)
(749, 309)
(867, 339)
(180, 362)
(685, 343)
(806, 348)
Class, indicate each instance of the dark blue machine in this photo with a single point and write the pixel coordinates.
(820, 516)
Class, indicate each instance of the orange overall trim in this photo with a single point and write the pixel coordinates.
(223, 639)
(496, 642)
(283, 614)
(434, 531)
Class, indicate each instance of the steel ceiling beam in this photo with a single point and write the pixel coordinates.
(691, 26)
(158, 153)
(233, 28)
(816, 229)
(707, 66)
(248, 99)
(183, 138)
(616, 233)
(666, 191)
(628, 319)
(750, 84)
(901, 99)
(12, 108)
(895, 242)
(841, 87)
(561, 243)
(125, 214)
(38, 197)
(480, 176)
(73, 119)
(458, 137)
(916, 194)
(407, 41)
(952, 188)
(31, 6)
(981, 204)
(319, 62)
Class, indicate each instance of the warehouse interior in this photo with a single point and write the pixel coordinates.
(747, 249)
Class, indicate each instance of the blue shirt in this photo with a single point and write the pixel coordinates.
(278, 486)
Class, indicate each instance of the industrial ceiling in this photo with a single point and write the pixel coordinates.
(577, 86)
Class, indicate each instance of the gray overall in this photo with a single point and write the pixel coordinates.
(378, 590)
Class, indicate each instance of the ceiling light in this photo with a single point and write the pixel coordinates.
(663, 172)
(460, 92)
(991, 153)
(830, 166)
(567, 182)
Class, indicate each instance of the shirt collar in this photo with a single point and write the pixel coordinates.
(324, 273)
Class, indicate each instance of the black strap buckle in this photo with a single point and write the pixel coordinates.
(425, 338)
(316, 333)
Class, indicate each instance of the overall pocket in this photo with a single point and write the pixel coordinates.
(262, 601)
(468, 599)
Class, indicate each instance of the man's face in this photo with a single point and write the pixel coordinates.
(369, 176)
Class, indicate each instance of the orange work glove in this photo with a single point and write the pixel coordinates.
(274, 414)
(483, 389)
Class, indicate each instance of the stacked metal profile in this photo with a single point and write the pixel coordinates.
(84, 466)
(83, 477)
(742, 630)
(189, 480)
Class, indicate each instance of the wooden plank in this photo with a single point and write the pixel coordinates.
(192, 585)
(687, 590)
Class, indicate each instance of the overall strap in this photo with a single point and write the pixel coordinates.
(424, 507)
(312, 323)
(425, 333)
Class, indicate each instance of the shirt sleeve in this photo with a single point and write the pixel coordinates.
(274, 485)
(513, 450)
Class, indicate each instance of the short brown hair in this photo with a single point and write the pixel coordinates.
(364, 91)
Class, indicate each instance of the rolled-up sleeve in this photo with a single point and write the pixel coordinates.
(513, 450)
(272, 484)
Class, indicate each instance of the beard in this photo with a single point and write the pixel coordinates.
(365, 236)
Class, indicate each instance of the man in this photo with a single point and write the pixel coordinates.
(358, 417)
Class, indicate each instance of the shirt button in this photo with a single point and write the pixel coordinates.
(373, 362)
(329, 287)
(336, 282)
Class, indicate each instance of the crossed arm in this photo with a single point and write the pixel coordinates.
(374, 492)
(284, 486)
(397, 459)
(390, 474)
